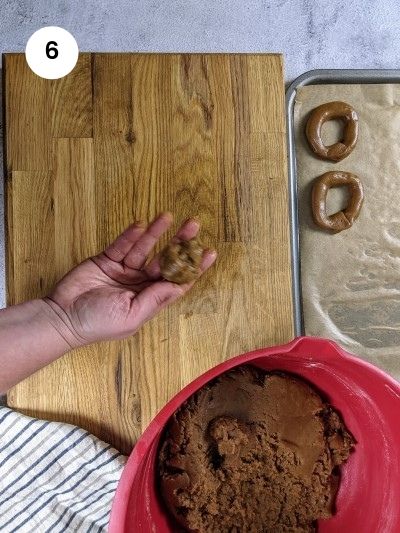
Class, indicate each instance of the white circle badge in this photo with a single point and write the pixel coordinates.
(51, 52)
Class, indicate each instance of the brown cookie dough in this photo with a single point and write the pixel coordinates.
(342, 219)
(180, 261)
(253, 452)
(331, 111)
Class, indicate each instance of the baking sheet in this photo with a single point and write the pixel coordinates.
(350, 281)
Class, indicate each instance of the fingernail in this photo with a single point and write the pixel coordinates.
(192, 220)
(167, 214)
(210, 251)
(211, 254)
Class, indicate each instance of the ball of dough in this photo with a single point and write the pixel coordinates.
(180, 261)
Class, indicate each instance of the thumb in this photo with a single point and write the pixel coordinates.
(154, 298)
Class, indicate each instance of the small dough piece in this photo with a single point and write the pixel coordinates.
(342, 219)
(331, 111)
(180, 261)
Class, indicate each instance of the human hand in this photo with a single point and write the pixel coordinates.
(111, 295)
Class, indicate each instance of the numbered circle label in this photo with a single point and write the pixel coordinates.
(51, 52)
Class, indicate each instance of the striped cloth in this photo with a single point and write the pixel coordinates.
(54, 477)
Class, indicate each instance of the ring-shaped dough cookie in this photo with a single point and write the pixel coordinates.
(342, 219)
(331, 111)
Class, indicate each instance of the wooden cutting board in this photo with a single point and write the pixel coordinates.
(121, 138)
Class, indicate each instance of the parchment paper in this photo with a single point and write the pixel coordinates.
(351, 280)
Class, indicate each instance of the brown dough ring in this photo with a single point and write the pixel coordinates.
(330, 111)
(180, 261)
(342, 219)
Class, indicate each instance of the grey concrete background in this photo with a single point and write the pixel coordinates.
(311, 34)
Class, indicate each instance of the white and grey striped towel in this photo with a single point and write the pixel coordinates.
(54, 477)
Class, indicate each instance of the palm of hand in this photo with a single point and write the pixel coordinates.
(99, 302)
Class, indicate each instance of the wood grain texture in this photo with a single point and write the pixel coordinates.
(123, 137)
(72, 101)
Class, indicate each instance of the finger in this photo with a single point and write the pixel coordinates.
(162, 293)
(208, 259)
(139, 252)
(152, 299)
(188, 230)
(118, 249)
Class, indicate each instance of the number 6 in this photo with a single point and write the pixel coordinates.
(51, 50)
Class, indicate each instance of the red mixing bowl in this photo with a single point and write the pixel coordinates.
(368, 500)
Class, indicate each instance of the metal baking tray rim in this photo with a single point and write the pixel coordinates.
(315, 77)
